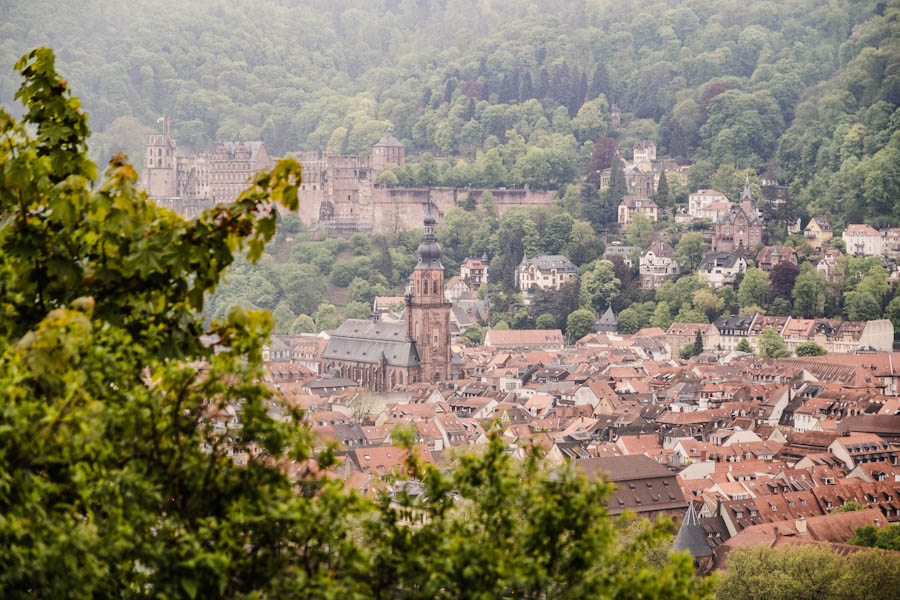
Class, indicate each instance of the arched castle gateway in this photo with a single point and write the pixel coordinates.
(384, 356)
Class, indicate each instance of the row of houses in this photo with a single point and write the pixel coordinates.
(834, 336)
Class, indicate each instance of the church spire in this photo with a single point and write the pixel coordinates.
(747, 194)
(429, 252)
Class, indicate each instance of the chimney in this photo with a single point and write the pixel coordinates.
(801, 525)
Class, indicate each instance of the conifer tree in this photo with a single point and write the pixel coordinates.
(662, 192)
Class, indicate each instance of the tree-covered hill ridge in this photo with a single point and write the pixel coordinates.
(808, 86)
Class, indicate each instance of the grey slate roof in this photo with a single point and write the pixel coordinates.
(461, 317)
(712, 260)
(608, 322)
(480, 309)
(691, 535)
(739, 324)
(546, 262)
(729, 217)
(609, 317)
(660, 249)
(366, 341)
(390, 141)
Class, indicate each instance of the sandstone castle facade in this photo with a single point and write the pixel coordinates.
(337, 195)
(189, 185)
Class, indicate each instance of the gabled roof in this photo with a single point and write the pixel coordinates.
(734, 213)
(707, 193)
(546, 262)
(632, 201)
(359, 340)
(857, 229)
(677, 328)
(252, 148)
(661, 249)
(823, 223)
(740, 323)
(726, 260)
(624, 468)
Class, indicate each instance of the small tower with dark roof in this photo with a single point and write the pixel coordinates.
(692, 538)
(608, 322)
(388, 151)
(776, 255)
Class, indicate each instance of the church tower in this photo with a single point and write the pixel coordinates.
(427, 311)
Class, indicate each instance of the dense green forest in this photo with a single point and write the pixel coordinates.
(508, 93)
(806, 89)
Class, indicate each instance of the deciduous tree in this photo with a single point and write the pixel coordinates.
(690, 250)
(771, 345)
(579, 324)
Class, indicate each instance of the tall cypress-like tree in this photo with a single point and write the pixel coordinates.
(599, 82)
(698, 344)
(470, 109)
(662, 191)
(617, 185)
(526, 90)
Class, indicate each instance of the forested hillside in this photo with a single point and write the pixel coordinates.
(807, 89)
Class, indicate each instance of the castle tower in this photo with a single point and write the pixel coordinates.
(160, 175)
(427, 311)
(388, 151)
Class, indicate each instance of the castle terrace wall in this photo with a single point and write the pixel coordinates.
(402, 209)
(392, 210)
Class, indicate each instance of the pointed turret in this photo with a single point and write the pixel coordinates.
(608, 322)
(747, 194)
(691, 535)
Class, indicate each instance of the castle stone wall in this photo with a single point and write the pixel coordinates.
(402, 209)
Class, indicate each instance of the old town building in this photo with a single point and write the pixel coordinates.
(657, 265)
(547, 272)
(721, 268)
(474, 271)
(863, 240)
(818, 232)
(770, 256)
(701, 199)
(738, 231)
(632, 205)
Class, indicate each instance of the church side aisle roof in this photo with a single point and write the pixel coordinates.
(360, 340)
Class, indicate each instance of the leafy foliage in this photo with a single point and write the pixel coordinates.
(811, 571)
(771, 344)
(887, 538)
(809, 349)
